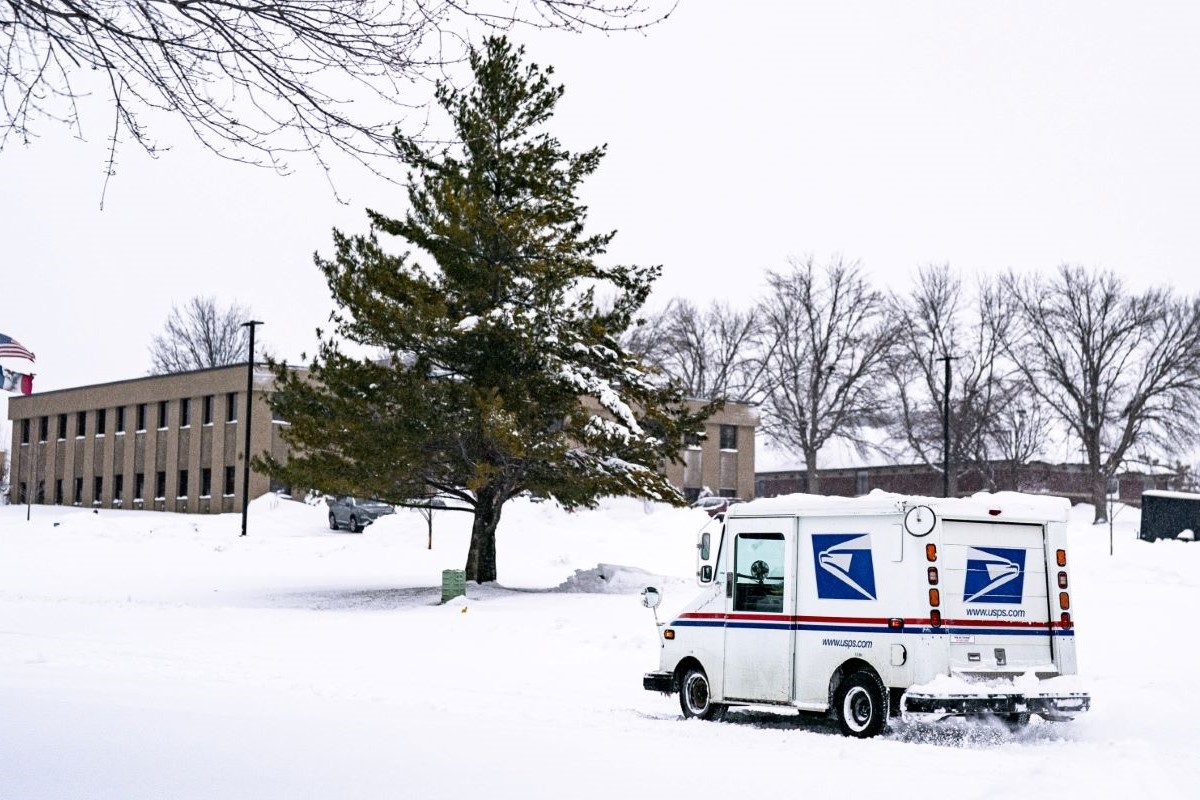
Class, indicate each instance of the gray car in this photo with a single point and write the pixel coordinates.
(355, 513)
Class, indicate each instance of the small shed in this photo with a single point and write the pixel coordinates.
(1169, 515)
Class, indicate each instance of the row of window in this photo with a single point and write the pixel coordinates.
(139, 487)
(140, 412)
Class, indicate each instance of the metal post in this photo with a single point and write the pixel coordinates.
(249, 416)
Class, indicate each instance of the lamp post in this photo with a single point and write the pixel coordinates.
(249, 416)
(947, 358)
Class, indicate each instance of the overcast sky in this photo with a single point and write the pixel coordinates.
(987, 136)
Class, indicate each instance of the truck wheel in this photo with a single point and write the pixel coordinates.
(1016, 722)
(695, 699)
(354, 526)
(332, 522)
(860, 705)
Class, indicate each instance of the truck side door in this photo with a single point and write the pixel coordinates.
(760, 605)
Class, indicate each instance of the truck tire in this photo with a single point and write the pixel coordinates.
(860, 705)
(695, 698)
(354, 526)
(332, 522)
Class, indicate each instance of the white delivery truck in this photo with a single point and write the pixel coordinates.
(880, 605)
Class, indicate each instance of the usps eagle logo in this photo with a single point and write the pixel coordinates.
(843, 566)
(994, 575)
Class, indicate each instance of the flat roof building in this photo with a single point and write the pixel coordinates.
(164, 442)
(175, 443)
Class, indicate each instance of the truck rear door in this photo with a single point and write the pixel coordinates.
(995, 596)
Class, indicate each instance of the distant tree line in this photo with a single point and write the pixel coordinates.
(1074, 356)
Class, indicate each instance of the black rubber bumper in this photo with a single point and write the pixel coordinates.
(659, 682)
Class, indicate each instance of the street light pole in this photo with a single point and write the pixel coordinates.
(946, 425)
(249, 416)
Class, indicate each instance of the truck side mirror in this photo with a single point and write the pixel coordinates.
(706, 573)
(705, 546)
(651, 597)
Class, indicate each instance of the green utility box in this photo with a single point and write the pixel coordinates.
(454, 584)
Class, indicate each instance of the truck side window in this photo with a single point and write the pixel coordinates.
(758, 586)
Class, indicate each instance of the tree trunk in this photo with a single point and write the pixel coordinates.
(1099, 497)
(813, 478)
(481, 557)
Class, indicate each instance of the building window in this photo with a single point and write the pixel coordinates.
(207, 407)
(43, 428)
(97, 489)
(162, 415)
(80, 423)
(229, 481)
(185, 413)
(141, 417)
(58, 492)
(120, 419)
(182, 490)
(118, 489)
(139, 485)
(862, 482)
(62, 427)
(729, 437)
(24, 432)
(78, 498)
(231, 407)
(160, 485)
(205, 482)
(101, 421)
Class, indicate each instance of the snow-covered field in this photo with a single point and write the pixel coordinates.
(147, 655)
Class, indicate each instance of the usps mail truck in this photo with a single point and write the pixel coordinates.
(883, 605)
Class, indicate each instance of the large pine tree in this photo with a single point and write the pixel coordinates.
(502, 371)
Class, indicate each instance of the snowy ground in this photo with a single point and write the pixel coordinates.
(147, 655)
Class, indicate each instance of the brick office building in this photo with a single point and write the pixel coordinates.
(165, 442)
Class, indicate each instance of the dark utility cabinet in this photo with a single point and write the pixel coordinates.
(1165, 515)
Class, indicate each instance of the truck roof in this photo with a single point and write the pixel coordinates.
(1001, 506)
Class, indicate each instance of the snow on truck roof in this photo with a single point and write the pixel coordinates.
(1010, 505)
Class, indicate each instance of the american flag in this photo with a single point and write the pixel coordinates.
(11, 347)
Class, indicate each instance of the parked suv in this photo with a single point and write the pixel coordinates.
(355, 513)
(716, 505)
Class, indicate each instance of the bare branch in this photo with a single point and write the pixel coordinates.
(200, 335)
(257, 80)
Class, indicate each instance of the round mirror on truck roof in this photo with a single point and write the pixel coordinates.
(920, 520)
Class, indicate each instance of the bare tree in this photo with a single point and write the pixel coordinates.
(254, 81)
(829, 335)
(199, 335)
(936, 320)
(1121, 371)
(713, 354)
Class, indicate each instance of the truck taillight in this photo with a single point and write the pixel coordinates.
(933, 576)
(931, 552)
(669, 634)
(1060, 557)
(935, 597)
(1062, 580)
(1064, 601)
(1065, 619)
(935, 618)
